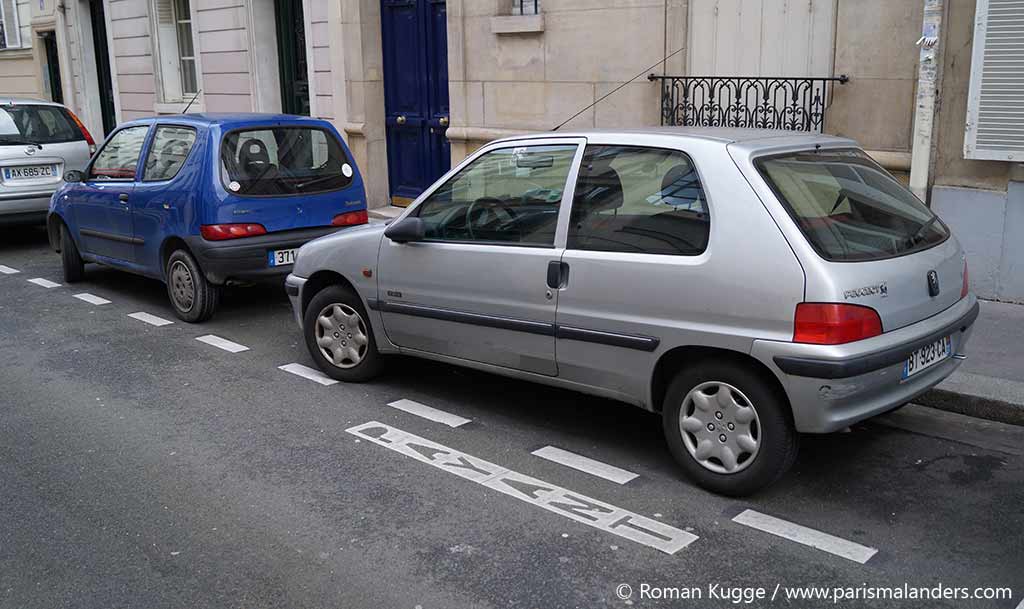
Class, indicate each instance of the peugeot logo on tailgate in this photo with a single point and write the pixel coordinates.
(933, 284)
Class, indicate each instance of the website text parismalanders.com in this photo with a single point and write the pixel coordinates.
(745, 595)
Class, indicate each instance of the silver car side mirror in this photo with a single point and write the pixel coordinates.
(406, 230)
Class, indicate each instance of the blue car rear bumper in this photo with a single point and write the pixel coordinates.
(247, 259)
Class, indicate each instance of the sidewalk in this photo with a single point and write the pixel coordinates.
(990, 383)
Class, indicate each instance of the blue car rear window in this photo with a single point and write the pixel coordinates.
(282, 161)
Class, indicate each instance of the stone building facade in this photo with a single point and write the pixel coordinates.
(416, 85)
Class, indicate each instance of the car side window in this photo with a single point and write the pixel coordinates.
(639, 200)
(506, 196)
(120, 156)
(171, 146)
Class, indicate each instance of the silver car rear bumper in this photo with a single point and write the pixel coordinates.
(833, 386)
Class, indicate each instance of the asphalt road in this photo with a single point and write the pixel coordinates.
(140, 467)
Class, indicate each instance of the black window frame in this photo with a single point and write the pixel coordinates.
(506, 146)
(758, 162)
(95, 157)
(149, 151)
(327, 133)
(703, 188)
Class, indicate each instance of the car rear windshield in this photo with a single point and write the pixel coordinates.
(34, 124)
(281, 161)
(848, 207)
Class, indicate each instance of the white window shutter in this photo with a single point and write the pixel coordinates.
(995, 103)
(10, 38)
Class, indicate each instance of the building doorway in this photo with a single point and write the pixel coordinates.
(291, 55)
(98, 21)
(415, 50)
(51, 74)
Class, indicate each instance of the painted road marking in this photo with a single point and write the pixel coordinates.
(222, 343)
(427, 412)
(585, 464)
(152, 320)
(1021, 605)
(6, 270)
(46, 283)
(308, 373)
(553, 498)
(807, 536)
(92, 299)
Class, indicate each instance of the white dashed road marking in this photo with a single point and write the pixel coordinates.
(807, 536)
(308, 373)
(561, 501)
(46, 283)
(222, 343)
(585, 464)
(427, 412)
(92, 299)
(152, 320)
(6, 270)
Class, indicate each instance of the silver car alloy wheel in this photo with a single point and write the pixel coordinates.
(720, 427)
(182, 286)
(341, 335)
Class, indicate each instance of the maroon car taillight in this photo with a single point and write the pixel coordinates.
(222, 232)
(820, 323)
(351, 218)
(965, 288)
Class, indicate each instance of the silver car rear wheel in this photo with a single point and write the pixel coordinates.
(720, 427)
(341, 335)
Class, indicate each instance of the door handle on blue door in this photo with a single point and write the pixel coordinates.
(123, 197)
(558, 274)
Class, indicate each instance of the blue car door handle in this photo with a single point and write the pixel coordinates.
(123, 197)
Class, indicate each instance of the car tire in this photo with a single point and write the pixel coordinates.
(70, 259)
(193, 298)
(717, 409)
(339, 335)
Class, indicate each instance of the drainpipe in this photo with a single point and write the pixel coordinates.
(929, 79)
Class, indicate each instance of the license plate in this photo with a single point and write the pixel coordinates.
(928, 356)
(282, 257)
(29, 172)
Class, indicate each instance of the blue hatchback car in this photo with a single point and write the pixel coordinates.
(200, 201)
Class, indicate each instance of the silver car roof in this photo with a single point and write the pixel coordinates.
(26, 101)
(749, 139)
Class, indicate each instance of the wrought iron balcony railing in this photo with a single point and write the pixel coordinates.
(797, 104)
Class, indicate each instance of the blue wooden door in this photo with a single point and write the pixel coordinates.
(415, 46)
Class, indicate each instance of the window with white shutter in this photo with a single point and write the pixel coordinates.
(995, 104)
(10, 35)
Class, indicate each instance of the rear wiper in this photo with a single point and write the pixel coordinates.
(302, 185)
(18, 140)
(924, 227)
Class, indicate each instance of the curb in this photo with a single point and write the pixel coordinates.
(978, 406)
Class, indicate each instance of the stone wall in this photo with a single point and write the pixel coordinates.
(875, 47)
(514, 74)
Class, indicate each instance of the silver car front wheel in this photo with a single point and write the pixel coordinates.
(341, 335)
(720, 427)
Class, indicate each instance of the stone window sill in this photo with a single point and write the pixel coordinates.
(517, 24)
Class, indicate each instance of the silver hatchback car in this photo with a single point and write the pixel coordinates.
(39, 142)
(748, 285)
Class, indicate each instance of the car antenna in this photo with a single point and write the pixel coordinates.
(192, 101)
(642, 72)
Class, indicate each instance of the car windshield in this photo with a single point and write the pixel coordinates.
(37, 124)
(283, 161)
(848, 207)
